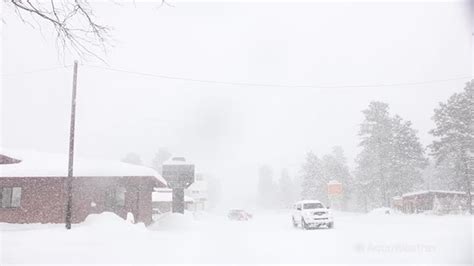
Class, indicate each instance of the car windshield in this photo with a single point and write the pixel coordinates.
(312, 206)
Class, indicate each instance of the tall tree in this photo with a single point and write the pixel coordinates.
(392, 158)
(455, 137)
(374, 159)
(313, 184)
(407, 157)
(132, 158)
(335, 168)
(286, 194)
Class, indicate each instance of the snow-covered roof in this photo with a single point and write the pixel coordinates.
(163, 196)
(40, 164)
(308, 201)
(432, 191)
(334, 182)
(177, 161)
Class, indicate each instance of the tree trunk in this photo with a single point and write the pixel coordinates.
(469, 185)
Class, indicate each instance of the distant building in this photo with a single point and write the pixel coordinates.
(162, 199)
(33, 188)
(437, 201)
(198, 192)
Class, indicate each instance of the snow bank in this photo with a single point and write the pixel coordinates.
(109, 222)
(383, 211)
(167, 196)
(174, 221)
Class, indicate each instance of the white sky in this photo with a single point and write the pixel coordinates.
(230, 130)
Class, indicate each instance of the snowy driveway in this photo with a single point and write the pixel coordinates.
(268, 238)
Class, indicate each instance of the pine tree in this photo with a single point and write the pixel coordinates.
(313, 185)
(392, 157)
(455, 137)
(407, 158)
(374, 160)
(286, 190)
(335, 168)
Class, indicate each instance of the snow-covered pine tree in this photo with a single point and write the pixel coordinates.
(455, 136)
(313, 185)
(392, 157)
(408, 160)
(335, 168)
(375, 158)
(286, 190)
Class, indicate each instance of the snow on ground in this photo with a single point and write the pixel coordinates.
(268, 238)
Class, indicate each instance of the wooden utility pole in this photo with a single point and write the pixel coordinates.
(71, 150)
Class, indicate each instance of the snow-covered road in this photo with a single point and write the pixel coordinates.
(268, 238)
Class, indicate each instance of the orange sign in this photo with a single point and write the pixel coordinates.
(334, 188)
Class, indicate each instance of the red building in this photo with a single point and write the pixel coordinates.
(437, 201)
(33, 188)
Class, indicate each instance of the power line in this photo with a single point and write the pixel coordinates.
(277, 85)
(35, 71)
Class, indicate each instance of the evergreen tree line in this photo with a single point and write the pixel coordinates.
(391, 161)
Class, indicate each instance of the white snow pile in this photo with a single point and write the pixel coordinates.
(383, 211)
(110, 222)
(173, 222)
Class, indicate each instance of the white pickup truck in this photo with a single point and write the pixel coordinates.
(311, 214)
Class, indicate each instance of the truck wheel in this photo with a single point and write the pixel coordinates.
(331, 225)
(294, 222)
(304, 225)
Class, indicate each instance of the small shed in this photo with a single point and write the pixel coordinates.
(440, 201)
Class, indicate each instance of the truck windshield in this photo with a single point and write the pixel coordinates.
(312, 206)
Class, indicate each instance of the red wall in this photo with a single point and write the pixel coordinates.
(43, 199)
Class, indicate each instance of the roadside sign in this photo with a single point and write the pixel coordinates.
(334, 188)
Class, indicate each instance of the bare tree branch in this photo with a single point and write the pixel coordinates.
(73, 21)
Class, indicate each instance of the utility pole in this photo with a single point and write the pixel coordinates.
(71, 150)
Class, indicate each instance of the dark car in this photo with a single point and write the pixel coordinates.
(239, 215)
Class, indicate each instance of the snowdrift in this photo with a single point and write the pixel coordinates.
(174, 221)
(109, 222)
(383, 211)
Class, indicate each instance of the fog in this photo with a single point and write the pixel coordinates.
(321, 64)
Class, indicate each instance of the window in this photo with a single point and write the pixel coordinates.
(312, 206)
(115, 197)
(120, 196)
(10, 197)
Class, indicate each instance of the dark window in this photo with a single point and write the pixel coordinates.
(120, 196)
(115, 197)
(10, 197)
(312, 206)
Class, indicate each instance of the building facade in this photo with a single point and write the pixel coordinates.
(198, 192)
(33, 189)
